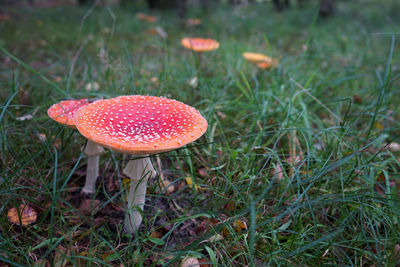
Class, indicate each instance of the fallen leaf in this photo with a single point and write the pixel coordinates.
(190, 262)
(190, 183)
(25, 212)
(378, 125)
(167, 187)
(240, 225)
(156, 234)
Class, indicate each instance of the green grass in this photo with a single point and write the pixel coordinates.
(338, 205)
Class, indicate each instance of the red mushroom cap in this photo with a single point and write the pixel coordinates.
(64, 111)
(200, 44)
(140, 124)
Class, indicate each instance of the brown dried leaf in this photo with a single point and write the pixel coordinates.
(156, 234)
(190, 262)
(27, 213)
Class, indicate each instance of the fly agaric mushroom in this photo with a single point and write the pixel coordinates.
(262, 61)
(139, 125)
(200, 44)
(64, 113)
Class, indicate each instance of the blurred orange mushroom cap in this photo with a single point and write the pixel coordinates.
(262, 61)
(256, 57)
(200, 44)
(268, 64)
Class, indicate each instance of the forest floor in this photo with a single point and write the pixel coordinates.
(299, 165)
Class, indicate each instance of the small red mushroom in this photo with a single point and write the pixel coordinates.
(139, 125)
(64, 113)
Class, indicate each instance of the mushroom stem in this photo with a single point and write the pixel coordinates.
(139, 171)
(92, 151)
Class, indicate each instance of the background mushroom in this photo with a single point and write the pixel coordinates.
(199, 45)
(262, 61)
(63, 113)
(139, 125)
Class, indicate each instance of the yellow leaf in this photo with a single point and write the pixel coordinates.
(378, 125)
(190, 183)
(125, 182)
(240, 225)
(25, 215)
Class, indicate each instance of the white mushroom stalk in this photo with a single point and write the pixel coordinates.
(139, 171)
(93, 152)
